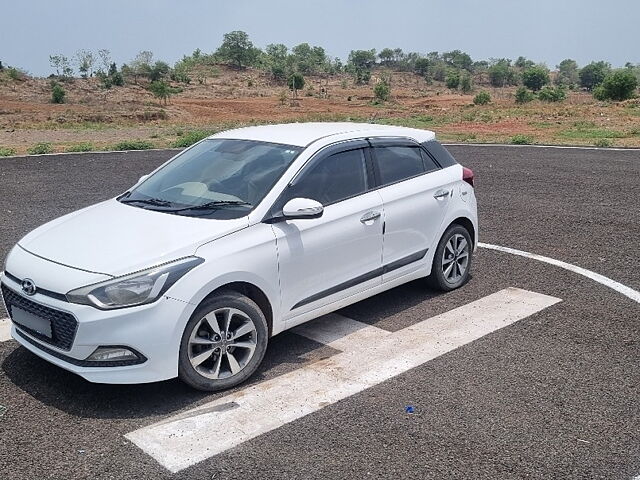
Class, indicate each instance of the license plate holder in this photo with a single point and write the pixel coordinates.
(31, 321)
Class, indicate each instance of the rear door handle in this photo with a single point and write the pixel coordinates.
(441, 194)
(367, 217)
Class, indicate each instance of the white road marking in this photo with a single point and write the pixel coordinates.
(371, 357)
(5, 329)
(596, 277)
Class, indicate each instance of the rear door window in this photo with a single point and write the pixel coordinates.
(397, 163)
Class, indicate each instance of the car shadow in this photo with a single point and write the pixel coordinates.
(383, 310)
(70, 393)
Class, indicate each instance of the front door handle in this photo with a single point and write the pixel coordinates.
(441, 194)
(372, 215)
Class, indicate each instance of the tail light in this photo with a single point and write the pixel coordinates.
(467, 175)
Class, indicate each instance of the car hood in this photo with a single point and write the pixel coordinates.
(115, 239)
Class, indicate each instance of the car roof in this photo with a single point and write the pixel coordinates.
(303, 134)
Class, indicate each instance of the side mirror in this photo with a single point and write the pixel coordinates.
(143, 178)
(302, 208)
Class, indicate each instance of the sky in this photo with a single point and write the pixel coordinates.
(543, 30)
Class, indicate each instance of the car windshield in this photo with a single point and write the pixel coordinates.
(216, 178)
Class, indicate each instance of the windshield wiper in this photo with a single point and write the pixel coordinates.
(212, 205)
(156, 202)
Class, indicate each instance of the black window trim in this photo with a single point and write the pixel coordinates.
(275, 212)
(367, 144)
(398, 142)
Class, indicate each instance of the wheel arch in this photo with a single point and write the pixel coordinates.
(468, 225)
(252, 292)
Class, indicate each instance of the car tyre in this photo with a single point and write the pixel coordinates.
(223, 342)
(452, 260)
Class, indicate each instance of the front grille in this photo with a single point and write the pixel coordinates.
(63, 324)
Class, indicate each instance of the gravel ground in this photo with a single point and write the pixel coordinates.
(553, 396)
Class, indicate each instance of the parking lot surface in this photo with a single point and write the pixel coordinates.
(551, 391)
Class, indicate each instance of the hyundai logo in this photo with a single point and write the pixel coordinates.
(28, 286)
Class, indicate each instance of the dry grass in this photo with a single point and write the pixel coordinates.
(104, 118)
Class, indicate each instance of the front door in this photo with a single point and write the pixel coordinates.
(325, 259)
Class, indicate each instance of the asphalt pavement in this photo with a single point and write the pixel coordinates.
(555, 395)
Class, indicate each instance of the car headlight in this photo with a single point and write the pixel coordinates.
(137, 288)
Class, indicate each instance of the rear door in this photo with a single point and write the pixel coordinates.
(323, 260)
(415, 194)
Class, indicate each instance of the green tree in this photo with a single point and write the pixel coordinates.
(158, 71)
(421, 66)
(567, 73)
(237, 49)
(61, 64)
(535, 77)
(140, 65)
(593, 74)
(617, 85)
(465, 83)
(85, 61)
(458, 59)
(386, 56)
(501, 73)
(296, 82)
(161, 90)
(523, 63)
(360, 63)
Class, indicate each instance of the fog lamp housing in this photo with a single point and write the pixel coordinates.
(114, 356)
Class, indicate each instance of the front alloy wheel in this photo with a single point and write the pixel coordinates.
(223, 342)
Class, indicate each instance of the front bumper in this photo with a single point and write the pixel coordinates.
(153, 331)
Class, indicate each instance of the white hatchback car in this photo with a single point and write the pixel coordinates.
(236, 239)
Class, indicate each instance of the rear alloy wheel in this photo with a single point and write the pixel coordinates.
(223, 343)
(452, 261)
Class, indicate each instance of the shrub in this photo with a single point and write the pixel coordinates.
(382, 91)
(524, 95)
(551, 94)
(465, 83)
(57, 93)
(80, 147)
(40, 148)
(535, 78)
(7, 152)
(189, 138)
(619, 85)
(603, 143)
(521, 140)
(453, 80)
(482, 98)
(133, 145)
(283, 97)
(15, 74)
